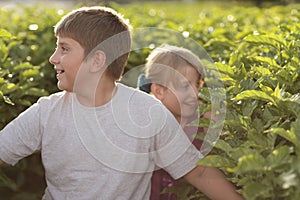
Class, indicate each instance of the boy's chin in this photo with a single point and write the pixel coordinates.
(62, 87)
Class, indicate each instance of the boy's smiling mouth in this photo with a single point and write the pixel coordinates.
(60, 71)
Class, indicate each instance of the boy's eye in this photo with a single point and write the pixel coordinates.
(64, 48)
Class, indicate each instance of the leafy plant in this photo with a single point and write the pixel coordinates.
(256, 50)
(259, 143)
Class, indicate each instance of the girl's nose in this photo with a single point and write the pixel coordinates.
(194, 89)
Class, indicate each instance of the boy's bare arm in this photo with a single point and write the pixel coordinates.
(212, 183)
(1, 162)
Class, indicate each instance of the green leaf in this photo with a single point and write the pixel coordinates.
(295, 129)
(23, 102)
(261, 72)
(238, 123)
(23, 67)
(225, 69)
(8, 88)
(277, 93)
(2, 80)
(221, 144)
(215, 161)
(248, 163)
(253, 191)
(5, 33)
(255, 94)
(260, 139)
(35, 92)
(30, 73)
(8, 100)
(291, 106)
(270, 40)
(278, 157)
(249, 107)
(269, 61)
(266, 89)
(219, 42)
(287, 134)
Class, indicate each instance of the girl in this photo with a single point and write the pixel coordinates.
(174, 76)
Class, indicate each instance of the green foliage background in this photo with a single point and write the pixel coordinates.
(255, 49)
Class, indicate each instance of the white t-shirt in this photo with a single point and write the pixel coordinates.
(107, 152)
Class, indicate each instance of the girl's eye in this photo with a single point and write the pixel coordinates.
(185, 86)
(198, 85)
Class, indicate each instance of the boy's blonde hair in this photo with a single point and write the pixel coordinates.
(99, 28)
(165, 61)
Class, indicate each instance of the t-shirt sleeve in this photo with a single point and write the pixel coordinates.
(174, 151)
(185, 163)
(21, 137)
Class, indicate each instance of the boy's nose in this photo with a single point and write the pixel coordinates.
(53, 59)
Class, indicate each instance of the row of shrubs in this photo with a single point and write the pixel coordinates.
(255, 50)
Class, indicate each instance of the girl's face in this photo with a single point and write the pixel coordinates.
(67, 59)
(182, 99)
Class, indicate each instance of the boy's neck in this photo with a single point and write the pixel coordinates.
(182, 121)
(99, 96)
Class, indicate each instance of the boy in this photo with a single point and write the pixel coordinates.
(99, 139)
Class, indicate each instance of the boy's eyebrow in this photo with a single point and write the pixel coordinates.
(61, 43)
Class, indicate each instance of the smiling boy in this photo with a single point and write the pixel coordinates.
(98, 138)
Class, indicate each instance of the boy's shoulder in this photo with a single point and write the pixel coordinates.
(134, 95)
(138, 105)
(55, 97)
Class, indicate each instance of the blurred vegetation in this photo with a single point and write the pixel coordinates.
(258, 3)
(256, 50)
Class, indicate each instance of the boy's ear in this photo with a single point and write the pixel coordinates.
(158, 91)
(98, 63)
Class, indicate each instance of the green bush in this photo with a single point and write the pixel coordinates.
(260, 142)
(26, 42)
(256, 50)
